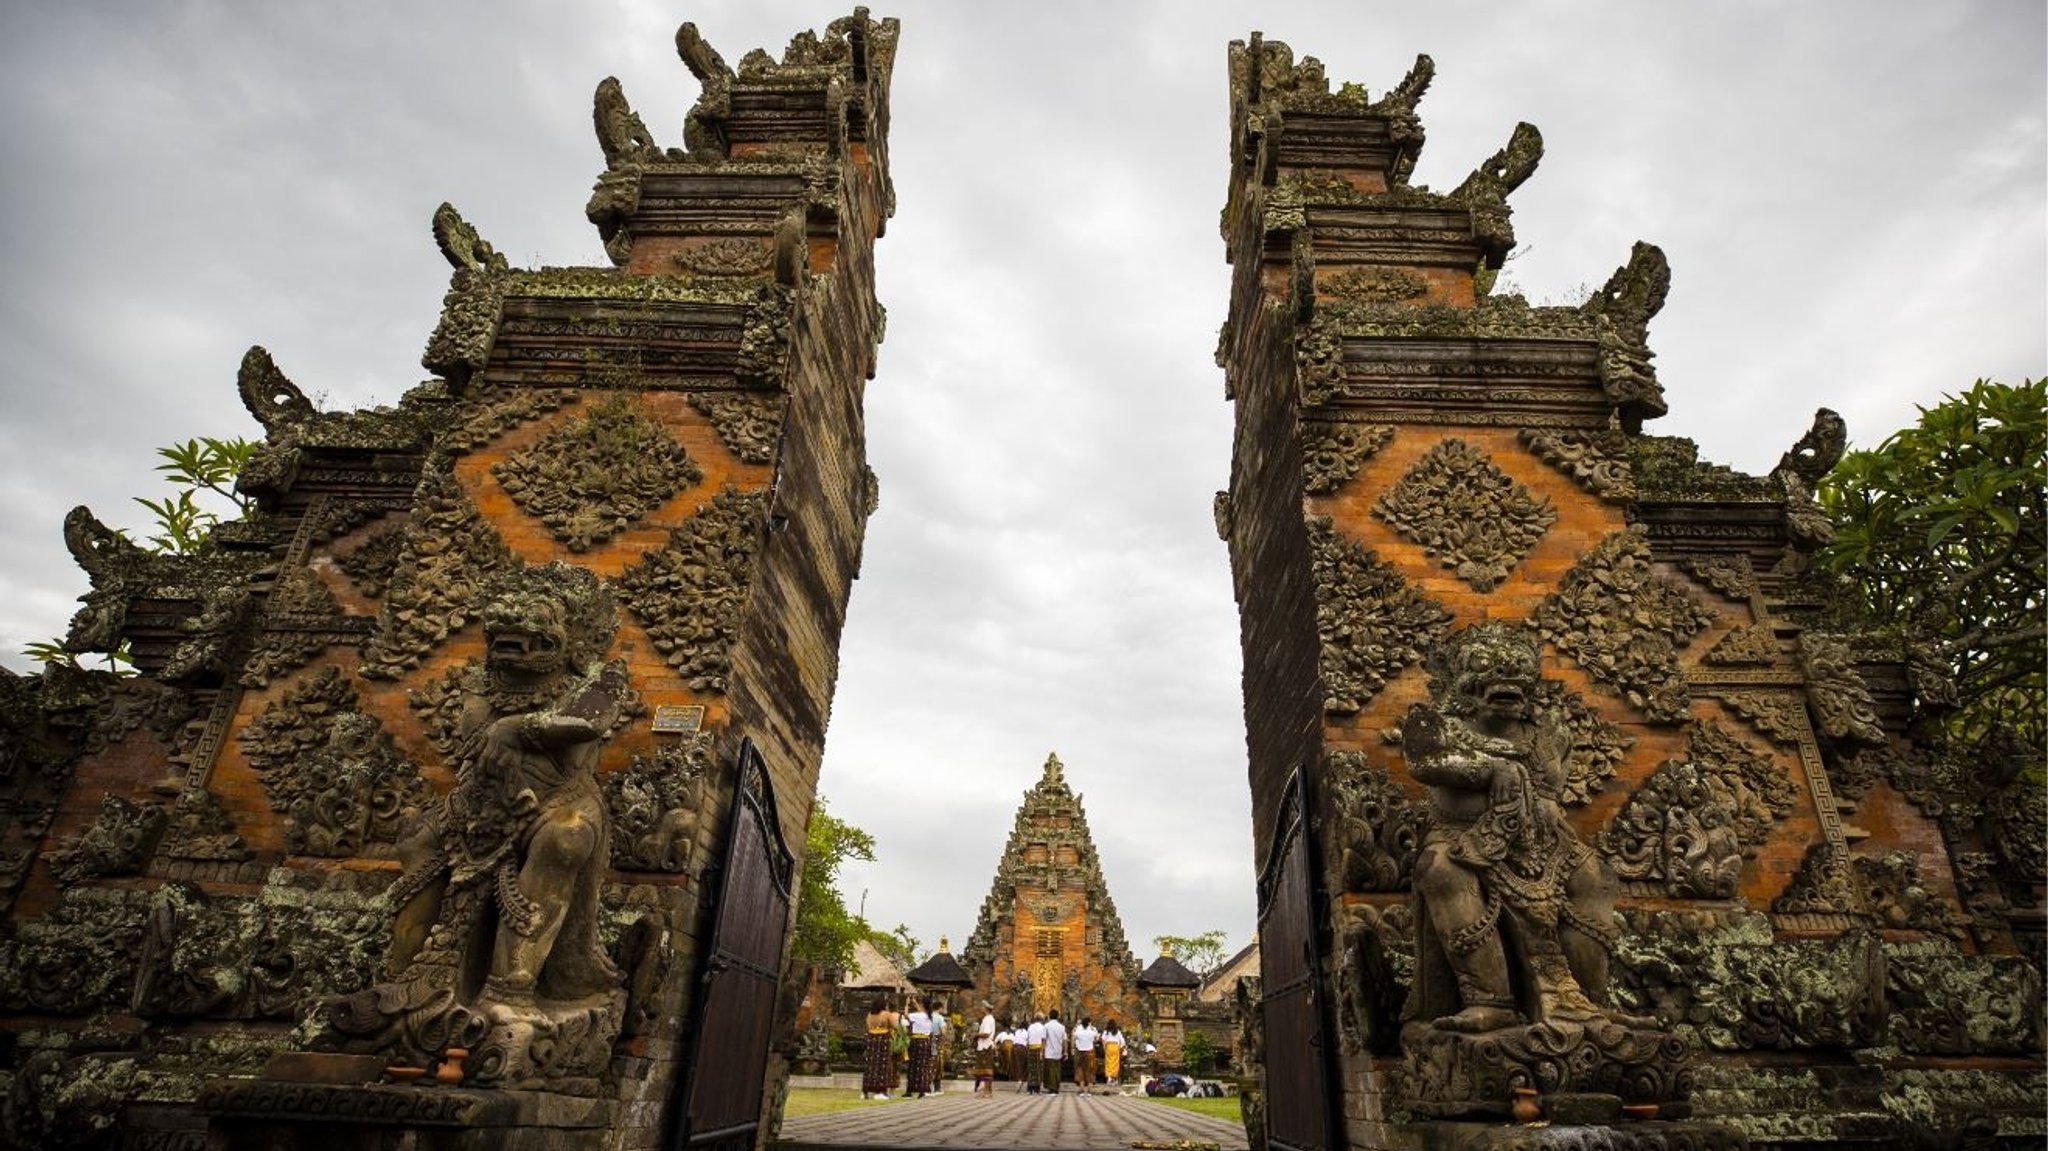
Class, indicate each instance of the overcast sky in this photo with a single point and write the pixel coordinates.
(1851, 195)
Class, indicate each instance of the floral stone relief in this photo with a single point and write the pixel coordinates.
(1466, 512)
(591, 479)
(1372, 624)
(1624, 623)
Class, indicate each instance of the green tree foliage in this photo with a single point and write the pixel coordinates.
(825, 930)
(1198, 1051)
(1940, 534)
(900, 946)
(205, 465)
(1201, 954)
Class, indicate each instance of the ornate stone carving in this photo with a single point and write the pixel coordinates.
(590, 480)
(77, 959)
(728, 256)
(1821, 886)
(1377, 827)
(1220, 509)
(1486, 190)
(1842, 707)
(1332, 451)
(462, 245)
(1751, 645)
(199, 828)
(301, 619)
(1516, 914)
(461, 343)
(621, 134)
(501, 413)
(704, 125)
(1891, 888)
(1623, 623)
(1818, 451)
(1466, 512)
(371, 564)
(1318, 349)
(1377, 971)
(1942, 1002)
(1376, 285)
(119, 842)
(1779, 715)
(353, 793)
(1597, 461)
(1371, 623)
(765, 339)
(1690, 824)
(243, 958)
(511, 861)
(1735, 987)
(1729, 575)
(1598, 748)
(689, 595)
(656, 803)
(1621, 311)
(749, 424)
(448, 550)
(295, 726)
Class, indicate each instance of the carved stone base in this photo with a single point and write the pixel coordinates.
(267, 1115)
(1645, 1136)
(1449, 1073)
(557, 1046)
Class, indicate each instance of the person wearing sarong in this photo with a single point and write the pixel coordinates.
(1055, 1061)
(1112, 1051)
(1085, 1039)
(922, 1063)
(1034, 1056)
(985, 1052)
(1006, 1052)
(878, 1073)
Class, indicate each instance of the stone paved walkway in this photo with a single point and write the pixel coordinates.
(1070, 1122)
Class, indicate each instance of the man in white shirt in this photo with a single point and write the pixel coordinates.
(985, 1051)
(1034, 1056)
(1084, 1054)
(1055, 1053)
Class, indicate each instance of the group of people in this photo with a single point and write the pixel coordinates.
(907, 1049)
(904, 1049)
(1041, 1054)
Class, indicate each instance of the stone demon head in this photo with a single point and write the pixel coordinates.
(543, 619)
(1488, 667)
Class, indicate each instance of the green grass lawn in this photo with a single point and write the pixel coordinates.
(1224, 1108)
(825, 1100)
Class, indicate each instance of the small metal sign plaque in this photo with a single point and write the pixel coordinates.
(678, 719)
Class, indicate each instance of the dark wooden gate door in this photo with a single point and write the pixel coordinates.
(721, 1085)
(1299, 1063)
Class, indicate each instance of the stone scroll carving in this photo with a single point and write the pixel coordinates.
(1372, 624)
(1332, 451)
(1597, 461)
(1625, 623)
(591, 479)
(1690, 825)
(496, 945)
(447, 553)
(656, 803)
(1515, 920)
(689, 595)
(1467, 513)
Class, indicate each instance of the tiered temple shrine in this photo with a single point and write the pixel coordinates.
(1048, 936)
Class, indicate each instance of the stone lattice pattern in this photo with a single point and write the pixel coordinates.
(1371, 623)
(690, 595)
(1466, 512)
(1624, 623)
(591, 479)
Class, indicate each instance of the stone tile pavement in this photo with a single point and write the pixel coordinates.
(1067, 1122)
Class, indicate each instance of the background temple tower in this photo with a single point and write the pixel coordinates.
(1048, 936)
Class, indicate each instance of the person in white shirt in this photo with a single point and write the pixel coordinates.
(985, 1051)
(1084, 1054)
(921, 1062)
(1034, 1056)
(1055, 1053)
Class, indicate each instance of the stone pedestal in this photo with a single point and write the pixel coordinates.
(275, 1115)
(1453, 1073)
(1651, 1135)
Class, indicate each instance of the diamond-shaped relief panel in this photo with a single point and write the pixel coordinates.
(1373, 625)
(1473, 517)
(590, 479)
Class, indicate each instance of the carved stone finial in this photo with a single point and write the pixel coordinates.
(1053, 770)
(620, 131)
(1819, 450)
(1636, 290)
(98, 548)
(464, 248)
(1507, 169)
(704, 126)
(270, 396)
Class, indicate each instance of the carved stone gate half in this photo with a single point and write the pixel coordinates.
(720, 1092)
(1299, 1115)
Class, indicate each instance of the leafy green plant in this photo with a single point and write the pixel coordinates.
(204, 465)
(1940, 533)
